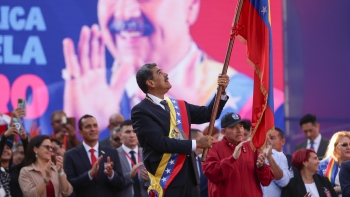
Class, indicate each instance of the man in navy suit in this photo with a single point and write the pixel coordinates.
(162, 126)
(344, 178)
(91, 169)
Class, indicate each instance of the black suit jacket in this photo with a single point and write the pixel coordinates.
(77, 164)
(321, 148)
(296, 186)
(152, 124)
(344, 178)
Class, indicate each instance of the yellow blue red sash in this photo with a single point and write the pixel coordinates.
(171, 163)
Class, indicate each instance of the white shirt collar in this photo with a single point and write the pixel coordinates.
(316, 141)
(87, 147)
(127, 150)
(156, 99)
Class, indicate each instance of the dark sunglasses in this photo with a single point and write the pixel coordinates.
(48, 147)
(117, 139)
(344, 144)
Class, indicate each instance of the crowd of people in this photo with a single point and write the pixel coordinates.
(156, 153)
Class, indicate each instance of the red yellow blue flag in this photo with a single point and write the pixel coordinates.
(254, 29)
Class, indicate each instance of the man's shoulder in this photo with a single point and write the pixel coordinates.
(301, 145)
(346, 164)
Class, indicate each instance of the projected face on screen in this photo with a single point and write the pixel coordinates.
(140, 31)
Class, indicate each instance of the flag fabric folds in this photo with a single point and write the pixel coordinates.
(254, 29)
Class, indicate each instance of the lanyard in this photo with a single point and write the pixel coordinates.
(132, 162)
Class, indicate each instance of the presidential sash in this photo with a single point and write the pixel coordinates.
(171, 163)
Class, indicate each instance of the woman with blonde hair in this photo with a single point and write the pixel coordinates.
(338, 151)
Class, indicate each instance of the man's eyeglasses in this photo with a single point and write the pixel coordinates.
(344, 144)
(117, 139)
(48, 147)
(54, 148)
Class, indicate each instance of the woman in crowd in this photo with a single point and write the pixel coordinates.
(307, 182)
(338, 151)
(40, 177)
(7, 154)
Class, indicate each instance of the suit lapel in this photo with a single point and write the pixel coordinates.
(102, 163)
(158, 109)
(123, 159)
(84, 157)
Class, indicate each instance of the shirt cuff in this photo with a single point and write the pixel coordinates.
(194, 145)
(110, 178)
(223, 97)
(89, 176)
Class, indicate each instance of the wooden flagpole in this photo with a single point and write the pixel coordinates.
(224, 71)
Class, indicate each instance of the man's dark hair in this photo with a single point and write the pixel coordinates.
(125, 123)
(15, 147)
(280, 132)
(80, 122)
(57, 112)
(308, 118)
(56, 141)
(194, 133)
(144, 74)
(247, 125)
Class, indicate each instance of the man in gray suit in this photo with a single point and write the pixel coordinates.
(315, 141)
(135, 174)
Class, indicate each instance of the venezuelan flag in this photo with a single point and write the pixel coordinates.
(254, 29)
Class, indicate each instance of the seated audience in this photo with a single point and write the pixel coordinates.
(306, 182)
(40, 177)
(338, 151)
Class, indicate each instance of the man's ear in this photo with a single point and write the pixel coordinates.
(150, 83)
(193, 11)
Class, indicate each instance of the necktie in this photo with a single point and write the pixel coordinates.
(93, 159)
(136, 185)
(312, 145)
(166, 106)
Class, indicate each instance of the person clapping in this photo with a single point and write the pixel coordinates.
(40, 177)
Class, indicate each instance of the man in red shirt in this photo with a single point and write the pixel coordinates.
(232, 167)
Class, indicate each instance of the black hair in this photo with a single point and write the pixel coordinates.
(125, 123)
(30, 154)
(280, 132)
(308, 118)
(56, 112)
(144, 74)
(56, 141)
(246, 124)
(80, 122)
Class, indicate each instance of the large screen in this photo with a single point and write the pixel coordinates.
(81, 56)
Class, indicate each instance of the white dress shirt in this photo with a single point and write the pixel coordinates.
(275, 187)
(127, 150)
(87, 149)
(317, 143)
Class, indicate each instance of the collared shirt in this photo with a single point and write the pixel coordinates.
(127, 150)
(30, 177)
(275, 187)
(87, 149)
(317, 142)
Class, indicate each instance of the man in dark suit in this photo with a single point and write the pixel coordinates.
(91, 169)
(203, 180)
(344, 178)
(131, 160)
(311, 127)
(163, 129)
